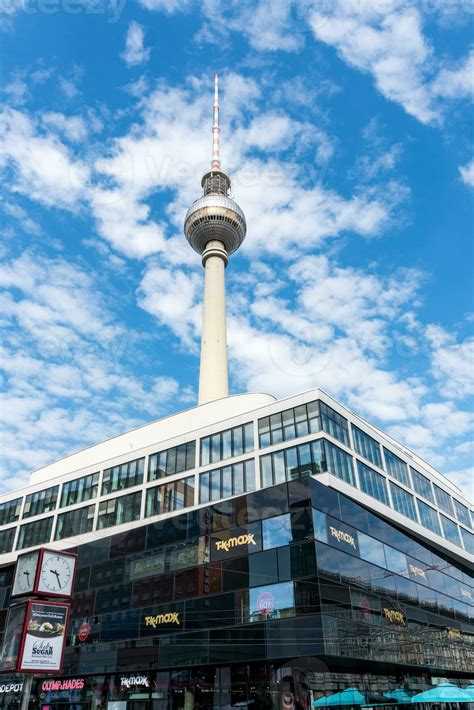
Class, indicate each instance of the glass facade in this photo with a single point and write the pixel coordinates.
(403, 501)
(227, 444)
(7, 538)
(429, 517)
(227, 481)
(117, 511)
(305, 460)
(450, 530)
(443, 500)
(462, 513)
(41, 502)
(35, 533)
(422, 485)
(174, 460)
(296, 571)
(10, 511)
(314, 456)
(299, 421)
(468, 540)
(75, 522)
(170, 496)
(124, 476)
(372, 483)
(80, 490)
(366, 446)
(396, 467)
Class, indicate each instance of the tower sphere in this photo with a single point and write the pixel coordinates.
(215, 217)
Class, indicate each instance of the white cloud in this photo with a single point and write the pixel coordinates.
(72, 127)
(387, 44)
(464, 480)
(66, 364)
(467, 173)
(456, 83)
(68, 87)
(452, 362)
(44, 170)
(168, 6)
(135, 51)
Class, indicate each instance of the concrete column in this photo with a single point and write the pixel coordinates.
(213, 375)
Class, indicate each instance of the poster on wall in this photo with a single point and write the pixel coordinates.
(44, 637)
(12, 637)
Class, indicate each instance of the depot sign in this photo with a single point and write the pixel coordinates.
(11, 687)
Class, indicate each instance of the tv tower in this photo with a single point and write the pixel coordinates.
(215, 227)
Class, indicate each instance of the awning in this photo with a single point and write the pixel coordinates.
(352, 696)
(444, 693)
(400, 695)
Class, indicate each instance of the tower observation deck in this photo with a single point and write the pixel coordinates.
(215, 227)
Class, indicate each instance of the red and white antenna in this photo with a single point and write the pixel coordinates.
(216, 161)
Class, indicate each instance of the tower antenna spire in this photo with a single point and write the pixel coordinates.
(216, 161)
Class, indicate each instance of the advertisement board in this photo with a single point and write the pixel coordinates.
(44, 637)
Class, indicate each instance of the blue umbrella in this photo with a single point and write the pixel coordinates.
(470, 689)
(349, 696)
(444, 693)
(400, 695)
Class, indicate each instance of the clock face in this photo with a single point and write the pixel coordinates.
(25, 573)
(56, 574)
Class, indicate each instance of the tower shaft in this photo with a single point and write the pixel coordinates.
(213, 375)
(215, 227)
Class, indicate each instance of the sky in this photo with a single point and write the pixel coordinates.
(347, 132)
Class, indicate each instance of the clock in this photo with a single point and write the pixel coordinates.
(56, 573)
(47, 573)
(25, 573)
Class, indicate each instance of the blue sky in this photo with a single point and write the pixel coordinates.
(347, 130)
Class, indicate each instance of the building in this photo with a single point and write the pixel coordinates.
(248, 551)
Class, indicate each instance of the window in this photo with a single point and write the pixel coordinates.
(305, 460)
(124, 476)
(170, 496)
(428, 517)
(36, 533)
(372, 483)
(40, 502)
(80, 490)
(366, 446)
(422, 485)
(174, 460)
(462, 513)
(274, 601)
(277, 531)
(300, 421)
(227, 444)
(339, 463)
(396, 561)
(227, 481)
(396, 467)
(75, 522)
(450, 530)
(332, 423)
(403, 502)
(6, 540)
(10, 511)
(119, 510)
(468, 540)
(443, 500)
(372, 550)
